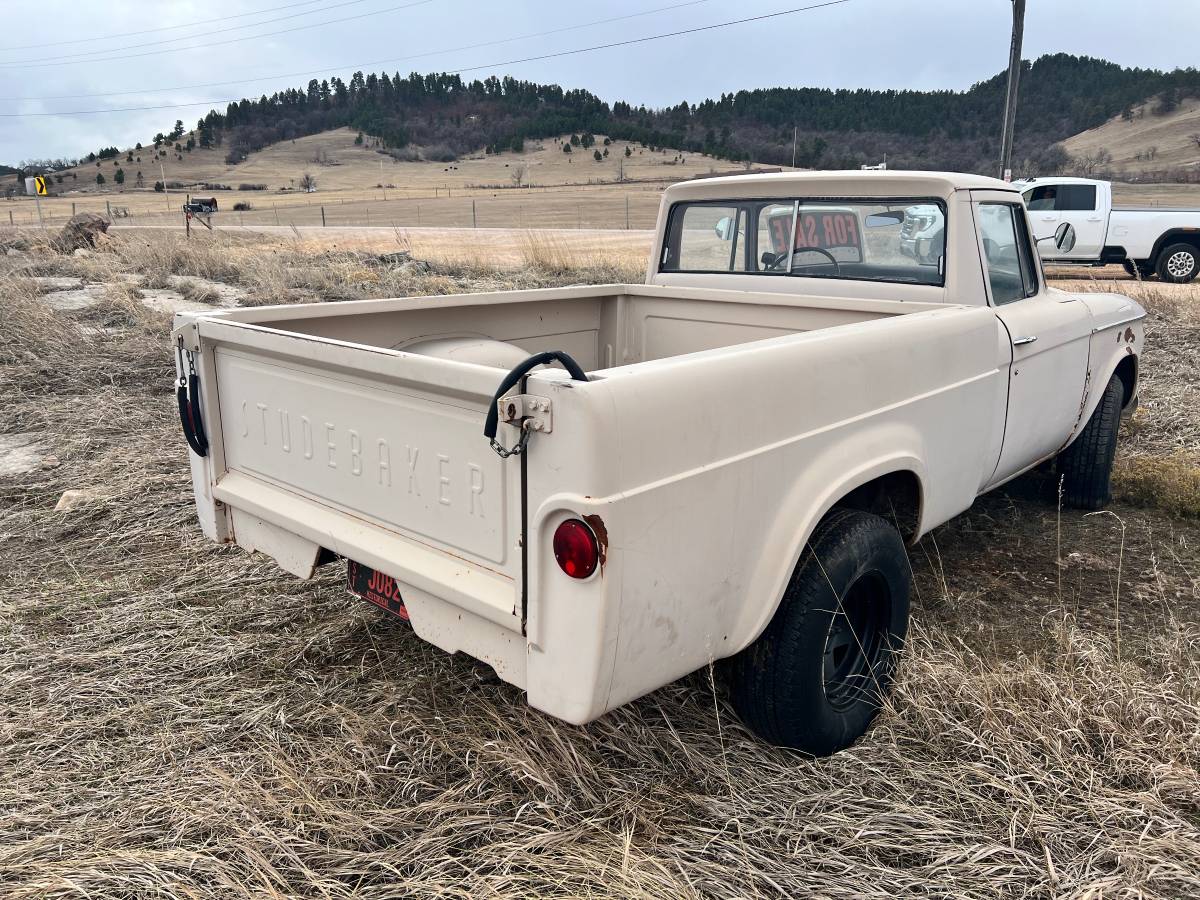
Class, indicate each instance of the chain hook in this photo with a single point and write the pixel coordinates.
(519, 447)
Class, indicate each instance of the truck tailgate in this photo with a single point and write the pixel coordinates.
(358, 449)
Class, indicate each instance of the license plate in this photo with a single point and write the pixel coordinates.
(375, 587)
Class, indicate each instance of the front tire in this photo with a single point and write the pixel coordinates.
(817, 676)
(1178, 263)
(1086, 465)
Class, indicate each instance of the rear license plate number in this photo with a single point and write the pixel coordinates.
(375, 587)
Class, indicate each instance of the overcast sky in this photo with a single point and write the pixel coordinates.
(857, 43)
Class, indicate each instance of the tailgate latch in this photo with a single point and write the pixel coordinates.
(521, 408)
(524, 411)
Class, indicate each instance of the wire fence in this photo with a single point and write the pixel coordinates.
(584, 207)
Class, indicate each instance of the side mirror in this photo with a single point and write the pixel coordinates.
(724, 228)
(1064, 237)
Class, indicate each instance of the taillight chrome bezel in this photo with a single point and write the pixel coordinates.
(576, 549)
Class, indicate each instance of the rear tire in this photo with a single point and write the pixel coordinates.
(1086, 465)
(1178, 263)
(817, 676)
(1138, 270)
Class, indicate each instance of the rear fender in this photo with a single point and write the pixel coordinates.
(808, 501)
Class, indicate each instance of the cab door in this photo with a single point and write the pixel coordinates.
(1042, 202)
(1049, 337)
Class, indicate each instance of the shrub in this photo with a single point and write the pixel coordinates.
(439, 153)
(252, 187)
(242, 206)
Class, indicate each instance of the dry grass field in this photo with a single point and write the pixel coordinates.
(183, 720)
(1170, 137)
(356, 185)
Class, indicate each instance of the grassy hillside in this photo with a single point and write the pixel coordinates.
(338, 163)
(1145, 143)
(1061, 96)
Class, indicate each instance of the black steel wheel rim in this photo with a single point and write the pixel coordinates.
(858, 643)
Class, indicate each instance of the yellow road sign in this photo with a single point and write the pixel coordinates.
(40, 184)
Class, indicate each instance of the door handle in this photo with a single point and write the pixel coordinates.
(1049, 218)
(1028, 339)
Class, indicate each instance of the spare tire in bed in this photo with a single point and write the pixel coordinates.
(482, 351)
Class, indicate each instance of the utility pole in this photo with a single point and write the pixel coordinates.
(1014, 77)
(166, 193)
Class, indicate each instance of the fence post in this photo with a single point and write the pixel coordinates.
(626, 212)
(474, 219)
(322, 217)
(72, 209)
(108, 208)
(276, 208)
(10, 219)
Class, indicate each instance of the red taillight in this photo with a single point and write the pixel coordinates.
(575, 549)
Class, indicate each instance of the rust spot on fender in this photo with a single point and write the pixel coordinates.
(1129, 336)
(597, 525)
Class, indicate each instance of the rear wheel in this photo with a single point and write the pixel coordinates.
(1178, 263)
(818, 675)
(1137, 270)
(1086, 465)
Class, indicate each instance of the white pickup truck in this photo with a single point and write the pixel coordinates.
(727, 465)
(1151, 241)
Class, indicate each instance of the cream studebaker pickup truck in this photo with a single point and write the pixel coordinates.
(597, 490)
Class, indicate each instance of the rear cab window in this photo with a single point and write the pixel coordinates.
(894, 240)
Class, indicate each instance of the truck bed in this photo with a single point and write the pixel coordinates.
(602, 326)
(326, 434)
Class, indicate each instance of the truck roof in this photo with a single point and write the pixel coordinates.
(1058, 179)
(851, 183)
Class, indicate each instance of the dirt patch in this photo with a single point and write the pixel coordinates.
(20, 453)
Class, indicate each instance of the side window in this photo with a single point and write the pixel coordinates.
(1041, 198)
(1076, 198)
(1006, 250)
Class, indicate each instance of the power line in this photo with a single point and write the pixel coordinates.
(76, 57)
(252, 37)
(512, 62)
(376, 62)
(106, 37)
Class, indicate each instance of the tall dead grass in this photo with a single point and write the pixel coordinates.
(183, 720)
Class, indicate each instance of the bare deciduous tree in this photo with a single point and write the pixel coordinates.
(518, 174)
(308, 183)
